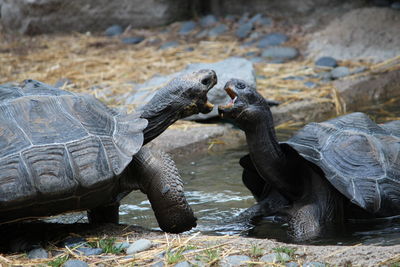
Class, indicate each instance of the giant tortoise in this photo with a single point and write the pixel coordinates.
(62, 151)
(346, 167)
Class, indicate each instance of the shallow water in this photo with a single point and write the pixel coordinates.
(215, 191)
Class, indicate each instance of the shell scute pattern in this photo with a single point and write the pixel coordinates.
(360, 158)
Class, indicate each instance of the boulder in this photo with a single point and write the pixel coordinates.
(234, 67)
(46, 16)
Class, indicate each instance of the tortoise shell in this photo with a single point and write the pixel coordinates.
(60, 149)
(360, 158)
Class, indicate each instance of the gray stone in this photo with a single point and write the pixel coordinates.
(132, 40)
(244, 30)
(183, 264)
(38, 253)
(395, 5)
(358, 70)
(46, 16)
(291, 264)
(275, 257)
(114, 30)
(314, 264)
(89, 251)
(234, 67)
(310, 84)
(138, 246)
(208, 21)
(326, 62)
(325, 76)
(235, 260)
(121, 245)
(257, 60)
(280, 52)
(218, 30)
(158, 264)
(294, 78)
(187, 27)
(167, 45)
(272, 39)
(75, 263)
(202, 34)
(340, 72)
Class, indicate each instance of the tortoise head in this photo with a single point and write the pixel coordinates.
(183, 96)
(246, 104)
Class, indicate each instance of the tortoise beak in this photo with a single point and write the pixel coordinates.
(230, 90)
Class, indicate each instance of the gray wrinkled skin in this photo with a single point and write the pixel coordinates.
(347, 167)
(61, 152)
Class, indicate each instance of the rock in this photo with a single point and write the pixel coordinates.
(114, 30)
(183, 264)
(235, 260)
(291, 264)
(272, 39)
(244, 30)
(325, 76)
(275, 257)
(326, 62)
(295, 78)
(340, 72)
(310, 84)
(47, 16)
(121, 245)
(257, 60)
(167, 45)
(395, 5)
(187, 27)
(72, 242)
(158, 264)
(89, 251)
(365, 33)
(38, 253)
(208, 21)
(132, 40)
(244, 18)
(314, 264)
(218, 30)
(138, 246)
(234, 67)
(202, 34)
(280, 52)
(358, 70)
(75, 263)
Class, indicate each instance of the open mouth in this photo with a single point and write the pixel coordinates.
(232, 94)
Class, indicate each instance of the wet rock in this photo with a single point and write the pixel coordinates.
(326, 62)
(395, 5)
(280, 52)
(89, 251)
(340, 72)
(275, 257)
(75, 263)
(234, 67)
(314, 264)
(187, 27)
(310, 84)
(167, 45)
(132, 40)
(272, 39)
(114, 30)
(235, 260)
(218, 30)
(244, 30)
(208, 21)
(138, 246)
(38, 253)
(183, 264)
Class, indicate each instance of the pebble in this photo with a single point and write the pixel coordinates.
(218, 30)
(313, 264)
(114, 30)
(90, 251)
(326, 62)
(208, 21)
(291, 264)
(169, 45)
(244, 18)
(235, 260)
(38, 253)
(244, 30)
(75, 263)
(275, 257)
(310, 84)
(202, 34)
(187, 27)
(138, 246)
(294, 78)
(257, 60)
(158, 264)
(280, 52)
(183, 264)
(340, 72)
(325, 76)
(395, 5)
(358, 70)
(272, 39)
(121, 245)
(132, 40)
(256, 18)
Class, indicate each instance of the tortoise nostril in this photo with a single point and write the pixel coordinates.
(206, 81)
(240, 85)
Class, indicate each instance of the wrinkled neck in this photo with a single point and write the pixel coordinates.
(267, 155)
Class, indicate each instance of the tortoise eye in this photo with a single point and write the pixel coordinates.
(240, 85)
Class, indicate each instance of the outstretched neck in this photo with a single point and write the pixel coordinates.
(267, 155)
